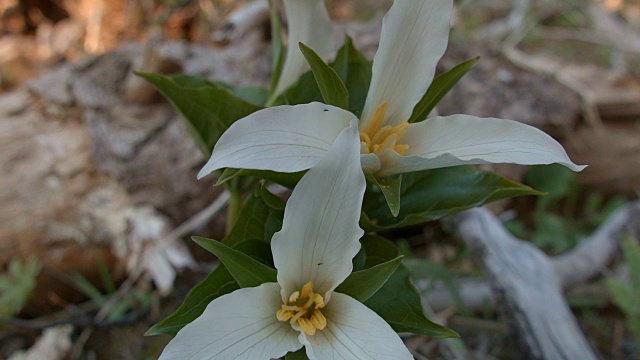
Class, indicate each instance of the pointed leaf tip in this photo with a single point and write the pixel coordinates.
(247, 271)
(333, 90)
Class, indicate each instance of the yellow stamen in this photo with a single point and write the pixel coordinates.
(318, 320)
(293, 297)
(303, 308)
(306, 326)
(306, 290)
(284, 315)
(374, 138)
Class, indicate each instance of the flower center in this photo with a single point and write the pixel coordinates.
(374, 139)
(303, 308)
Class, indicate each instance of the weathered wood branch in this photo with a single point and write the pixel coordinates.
(592, 254)
(588, 259)
(528, 284)
(528, 289)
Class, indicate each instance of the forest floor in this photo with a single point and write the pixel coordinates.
(570, 67)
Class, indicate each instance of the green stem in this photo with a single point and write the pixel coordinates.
(233, 209)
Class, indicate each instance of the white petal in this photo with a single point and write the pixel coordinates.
(414, 36)
(320, 231)
(354, 332)
(370, 163)
(309, 23)
(463, 139)
(240, 325)
(281, 138)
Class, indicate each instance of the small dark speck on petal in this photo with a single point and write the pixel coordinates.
(326, 109)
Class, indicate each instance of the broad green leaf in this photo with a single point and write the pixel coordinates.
(303, 92)
(398, 303)
(219, 282)
(359, 260)
(289, 180)
(17, 285)
(277, 46)
(378, 250)
(247, 271)
(260, 217)
(298, 355)
(255, 95)
(433, 194)
(333, 90)
(439, 88)
(362, 284)
(355, 70)
(257, 249)
(390, 187)
(249, 93)
(207, 109)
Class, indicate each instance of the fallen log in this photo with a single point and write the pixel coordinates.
(528, 285)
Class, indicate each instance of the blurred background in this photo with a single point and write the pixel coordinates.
(98, 195)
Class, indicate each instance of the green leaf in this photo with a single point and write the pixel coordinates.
(298, 355)
(247, 271)
(17, 285)
(398, 303)
(333, 90)
(219, 282)
(260, 217)
(255, 95)
(207, 109)
(361, 285)
(359, 260)
(257, 249)
(355, 70)
(250, 93)
(378, 250)
(433, 194)
(277, 47)
(439, 88)
(289, 180)
(390, 187)
(302, 92)
(351, 66)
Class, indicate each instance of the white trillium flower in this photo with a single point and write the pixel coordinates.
(312, 254)
(414, 37)
(306, 19)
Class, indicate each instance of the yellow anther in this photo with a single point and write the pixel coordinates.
(318, 320)
(376, 119)
(284, 315)
(303, 308)
(306, 290)
(374, 138)
(319, 300)
(306, 326)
